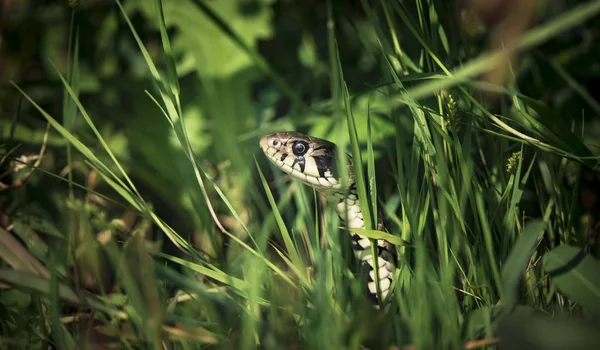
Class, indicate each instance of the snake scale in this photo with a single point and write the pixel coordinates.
(313, 162)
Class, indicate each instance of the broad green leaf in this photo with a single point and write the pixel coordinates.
(576, 274)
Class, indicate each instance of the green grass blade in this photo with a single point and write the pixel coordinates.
(297, 263)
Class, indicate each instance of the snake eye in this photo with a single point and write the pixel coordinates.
(299, 148)
(275, 142)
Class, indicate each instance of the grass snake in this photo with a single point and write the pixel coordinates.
(313, 162)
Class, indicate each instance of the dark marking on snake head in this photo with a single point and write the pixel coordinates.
(300, 161)
(323, 164)
(283, 156)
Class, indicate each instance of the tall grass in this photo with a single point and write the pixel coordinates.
(490, 249)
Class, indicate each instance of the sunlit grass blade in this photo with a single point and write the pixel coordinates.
(371, 173)
(375, 234)
(285, 235)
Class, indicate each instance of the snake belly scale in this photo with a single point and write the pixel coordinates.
(313, 162)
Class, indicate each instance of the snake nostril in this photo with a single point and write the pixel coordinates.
(275, 142)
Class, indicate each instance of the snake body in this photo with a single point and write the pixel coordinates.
(313, 162)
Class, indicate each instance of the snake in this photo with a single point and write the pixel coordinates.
(313, 161)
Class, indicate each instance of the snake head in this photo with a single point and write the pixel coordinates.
(309, 159)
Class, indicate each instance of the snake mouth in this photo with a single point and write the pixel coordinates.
(264, 145)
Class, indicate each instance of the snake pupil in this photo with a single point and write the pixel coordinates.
(299, 148)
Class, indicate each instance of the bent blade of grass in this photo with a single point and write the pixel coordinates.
(375, 234)
(269, 223)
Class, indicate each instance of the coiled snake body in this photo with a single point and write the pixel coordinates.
(313, 162)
